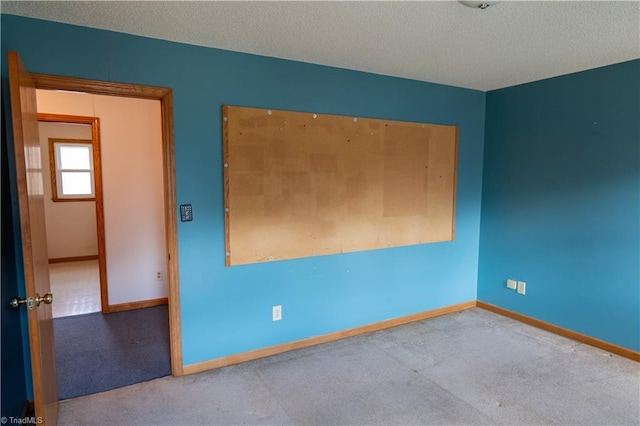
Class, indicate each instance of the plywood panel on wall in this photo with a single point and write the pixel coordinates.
(301, 184)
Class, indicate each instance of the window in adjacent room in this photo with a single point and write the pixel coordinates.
(72, 170)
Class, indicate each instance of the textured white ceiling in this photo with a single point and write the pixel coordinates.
(511, 42)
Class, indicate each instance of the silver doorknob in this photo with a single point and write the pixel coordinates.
(32, 302)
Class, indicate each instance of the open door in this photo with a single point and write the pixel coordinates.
(34, 240)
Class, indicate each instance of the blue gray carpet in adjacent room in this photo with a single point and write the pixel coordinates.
(97, 352)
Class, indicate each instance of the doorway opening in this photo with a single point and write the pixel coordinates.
(122, 220)
(75, 222)
(165, 96)
(28, 181)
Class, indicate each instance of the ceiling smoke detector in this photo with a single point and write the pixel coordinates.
(478, 4)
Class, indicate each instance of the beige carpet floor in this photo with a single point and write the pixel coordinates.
(468, 368)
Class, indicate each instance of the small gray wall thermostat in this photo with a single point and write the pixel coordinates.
(186, 213)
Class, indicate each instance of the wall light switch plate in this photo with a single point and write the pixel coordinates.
(522, 287)
(511, 284)
(186, 213)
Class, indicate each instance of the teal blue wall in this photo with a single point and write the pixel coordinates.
(561, 201)
(228, 310)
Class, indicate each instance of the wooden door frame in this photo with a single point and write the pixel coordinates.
(165, 96)
(94, 122)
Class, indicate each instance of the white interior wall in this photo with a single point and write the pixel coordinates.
(71, 225)
(132, 178)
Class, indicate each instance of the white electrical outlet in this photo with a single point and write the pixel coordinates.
(159, 276)
(512, 284)
(277, 313)
(522, 287)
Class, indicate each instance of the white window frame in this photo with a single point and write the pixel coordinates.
(56, 170)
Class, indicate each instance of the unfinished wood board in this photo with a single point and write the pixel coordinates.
(302, 184)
